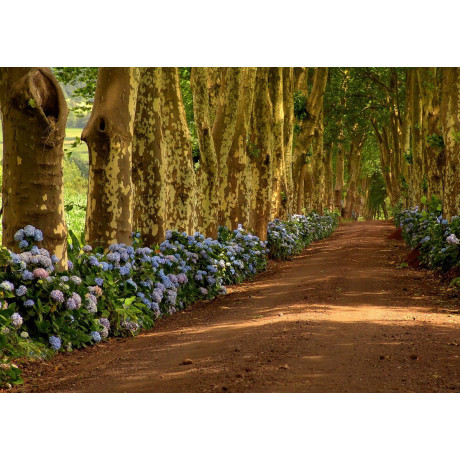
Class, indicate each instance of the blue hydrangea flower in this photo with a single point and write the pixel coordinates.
(95, 336)
(29, 230)
(99, 281)
(86, 248)
(27, 276)
(55, 342)
(54, 259)
(29, 303)
(38, 235)
(70, 265)
(23, 244)
(19, 235)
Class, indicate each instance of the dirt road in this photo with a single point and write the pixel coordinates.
(342, 317)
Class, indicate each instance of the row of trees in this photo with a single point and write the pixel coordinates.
(264, 143)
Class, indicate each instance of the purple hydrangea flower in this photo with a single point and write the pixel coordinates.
(55, 342)
(16, 320)
(7, 286)
(21, 290)
(27, 276)
(57, 296)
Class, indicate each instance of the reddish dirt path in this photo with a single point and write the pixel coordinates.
(339, 318)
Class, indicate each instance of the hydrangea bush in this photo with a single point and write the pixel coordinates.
(119, 291)
(437, 239)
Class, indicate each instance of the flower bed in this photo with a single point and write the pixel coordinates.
(126, 288)
(436, 238)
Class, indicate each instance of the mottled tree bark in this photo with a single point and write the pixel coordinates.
(208, 173)
(288, 100)
(34, 115)
(109, 134)
(450, 116)
(223, 131)
(237, 202)
(279, 186)
(262, 157)
(149, 160)
(181, 196)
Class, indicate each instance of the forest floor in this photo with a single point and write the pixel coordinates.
(344, 316)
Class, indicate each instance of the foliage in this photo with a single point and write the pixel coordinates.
(288, 238)
(84, 80)
(436, 238)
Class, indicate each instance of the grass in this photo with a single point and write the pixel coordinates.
(75, 203)
(81, 151)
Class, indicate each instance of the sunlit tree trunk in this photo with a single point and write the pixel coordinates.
(181, 196)
(450, 116)
(109, 134)
(34, 114)
(288, 131)
(238, 165)
(207, 176)
(149, 160)
(279, 186)
(262, 157)
(223, 131)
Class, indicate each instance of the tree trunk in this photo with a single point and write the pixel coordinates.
(314, 107)
(288, 130)
(354, 173)
(181, 197)
(417, 167)
(223, 131)
(339, 175)
(450, 116)
(237, 201)
(262, 157)
(34, 115)
(279, 185)
(432, 134)
(149, 160)
(109, 134)
(207, 176)
(328, 179)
